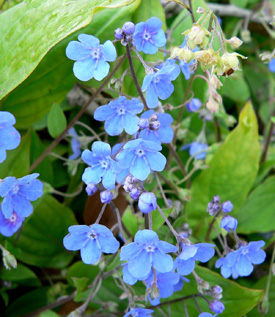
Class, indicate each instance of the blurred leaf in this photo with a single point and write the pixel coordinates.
(79, 270)
(231, 171)
(130, 220)
(80, 284)
(32, 28)
(41, 240)
(238, 300)
(18, 161)
(235, 88)
(157, 218)
(259, 209)
(53, 78)
(21, 276)
(56, 121)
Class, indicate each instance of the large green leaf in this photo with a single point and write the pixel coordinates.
(231, 171)
(41, 240)
(53, 78)
(18, 161)
(259, 209)
(30, 29)
(238, 300)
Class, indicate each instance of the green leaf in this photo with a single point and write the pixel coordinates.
(157, 218)
(53, 78)
(130, 220)
(32, 28)
(56, 121)
(80, 284)
(20, 276)
(18, 161)
(41, 240)
(255, 214)
(79, 270)
(231, 171)
(238, 300)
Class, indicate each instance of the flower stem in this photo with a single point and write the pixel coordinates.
(168, 223)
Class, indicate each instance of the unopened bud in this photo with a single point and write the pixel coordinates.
(153, 117)
(207, 58)
(212, 105)
(197, 35)
(215, 82)
(9, 260)
(154, 126)
(235, 42)
(143, 123)
(246, 36)
(118, 34)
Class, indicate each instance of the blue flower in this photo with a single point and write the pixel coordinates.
(141, 156)
(158, 84)
(129, 278)
(227, 206)
(91, 57)
(75, 144)
(216, 306)
(91, 241)
(9, 226)
(121, 173)
(18, 193)
(239, 262)
(139, 312)
(120, 114)
(149, 36)
(229, 223)
(164, 134)
(207, 315)
(166, 283)
(147, 202)
(194, 105)
(185, 68)
(145, 252)
(103, 167)
(185, 262)
(271, 65)
(196, 147)
(9, 136)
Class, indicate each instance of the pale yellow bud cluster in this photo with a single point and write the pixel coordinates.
(197, 35)
(207, 58)
(230, 63)
(184, 54)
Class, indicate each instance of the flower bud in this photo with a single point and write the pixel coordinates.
(106, 196)
(183, 54)
(128, 28)
(235, 42)
(154, 126)
(215, 82)
(9, 260)
(194, 105)
(118, 34)
(91, 189)
(231, 62)
(216, 289)
(216, 307)
(246, 36)
(227, 206)
(153, 117)
(201, 10)
(135, 193)
(143, 123)
(207, 58)
(228, 223)
(212, 105)
(147, 202)
(216, 199)
(197, 35)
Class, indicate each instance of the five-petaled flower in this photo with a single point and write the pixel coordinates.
(91, 241)
(18, 193)
(120, 114)
(91, 57)
(9, 136)
(145, 252)
(149, 36)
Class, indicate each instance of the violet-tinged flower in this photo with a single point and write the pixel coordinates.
(91, 189)
(18, 194)
(141, 156)
(91, 241)
(103, 167)
(135, 193)
(118, 34)
(147, 202)
(139, 312)
(75, 144)
(194, 105)
(120, 114)
(198, 148)
(164, 134)
(216, 306)
(149, 36)
(128, 28)
(166, 283)
(106, 196)
(9, 226)
(158, 84)
(207, 315)
(145, 252)
(9, 136)
(229, 223)
(227, 206)
(91, 57)
(185, 262)
(240, 262)
(271, 65)
(143, 123)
